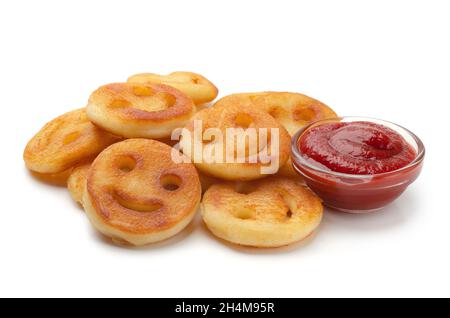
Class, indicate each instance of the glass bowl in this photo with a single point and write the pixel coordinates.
(357, 193)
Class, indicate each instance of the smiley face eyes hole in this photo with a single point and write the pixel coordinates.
(276, 112)
(170, 182)
(71, 137)
(245, 214)
(126, 164)
(243, 120)
(305, 114)
(119, 103)
(143, 91)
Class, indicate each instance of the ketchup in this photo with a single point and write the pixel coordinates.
(356, 165)
(356, 148)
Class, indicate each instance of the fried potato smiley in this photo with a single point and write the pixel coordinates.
(292, 110)
(236, 162)
(197, 87)
(135, 193)
(270, 212)
(139, 110)
(65, 142)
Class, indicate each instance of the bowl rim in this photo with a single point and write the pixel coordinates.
(299, 160)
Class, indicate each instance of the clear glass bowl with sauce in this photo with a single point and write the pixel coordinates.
(358, 193)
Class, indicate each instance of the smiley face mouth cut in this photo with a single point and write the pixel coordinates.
(132, 203)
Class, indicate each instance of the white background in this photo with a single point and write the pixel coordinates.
(386, 59)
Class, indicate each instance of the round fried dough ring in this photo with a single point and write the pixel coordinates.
(76, 183)
(65, 142)
(197, 87)
(235, 116)
(292, 110)
(271, 212)
(135, 193)
(134, 110)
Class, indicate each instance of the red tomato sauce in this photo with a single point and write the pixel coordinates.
(358, 147)
(357, 166)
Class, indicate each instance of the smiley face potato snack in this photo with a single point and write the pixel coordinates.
(136, 194)
(65, 142)
(246, 164)
(292, 110)
(133, 110)
(270, 212)
(196, 86)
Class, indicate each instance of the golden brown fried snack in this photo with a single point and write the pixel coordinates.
(292, 110)
(77, 182)
(197, 87)
(236, 116)
(270, 212)
(64, 142)
(136, 194)
(136, 110)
